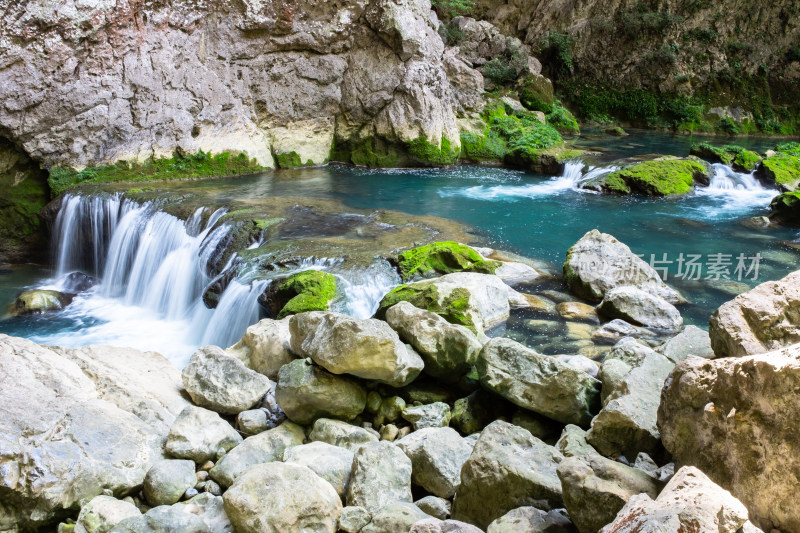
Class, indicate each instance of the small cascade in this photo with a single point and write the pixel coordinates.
(237, 309)
(731, 192)
(364, 289)
(727, 179)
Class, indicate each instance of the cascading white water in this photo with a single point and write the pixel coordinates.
(733, 191)
(364, 289)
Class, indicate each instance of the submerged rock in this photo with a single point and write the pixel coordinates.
(508, 468)
(537, 382)
(75, 423)
(763, 319)
(368, 349)
(439, 258)
(689, 502)
(735, 418)
(306, 392)
(598, 263)
(222, 383)
(281, 497)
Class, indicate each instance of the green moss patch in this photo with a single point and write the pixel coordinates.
(660, 177)
(715, 154)
(454, 307)
(441, 258)
(291, 160)
(782, 169)
(739, 158)
(200, 165)
(425, 153)
(786, 207)
(311, 290)
(370, 152)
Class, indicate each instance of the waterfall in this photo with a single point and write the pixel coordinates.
(148, 260)
(364, 289)
(727, 179)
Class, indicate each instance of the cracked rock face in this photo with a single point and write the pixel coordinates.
(89, 82)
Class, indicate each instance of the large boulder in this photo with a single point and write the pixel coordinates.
(689, 502)
(369, 349)
(331, 463)
(690, 341)
(198, 434)
(437, 455)
(75, 423)
(640, 308)
(757, 321)
(341, 434)
(596, 488)
(262, 448)
(508, 468)
(627, 424)
(381, 475)
(735, 419)
(477, 301)
(265, 347)
(222, 383)
(306, 392)
(282, 498)
(598, 263)
(538, 382)
(448, 350)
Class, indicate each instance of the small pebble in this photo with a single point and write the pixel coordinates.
(208, 465)
(190, 493)
(201, 475)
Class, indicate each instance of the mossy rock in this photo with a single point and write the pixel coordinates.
(454, 307)
(311, 290)
(781, 169)
(537, 94)
(370, 152)
(785, 208)
(746, 161)
(427, 154)
(714, 154)
(660, 177)
(440, 258)
(739, 158)
(291, 160)
(39, 301)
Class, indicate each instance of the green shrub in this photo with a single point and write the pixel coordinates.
(506, 67)
(448, 9)
(557, 47)
(561, 119)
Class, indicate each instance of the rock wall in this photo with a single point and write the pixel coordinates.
(730, 53)
(97, 81)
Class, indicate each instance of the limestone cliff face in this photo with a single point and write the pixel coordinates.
(87, 82)
(728, 53)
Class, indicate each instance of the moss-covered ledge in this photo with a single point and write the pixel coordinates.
(199, 165)
(310, 290)
(440, 258)
(665, 176)
(782, 167)
(739, 158)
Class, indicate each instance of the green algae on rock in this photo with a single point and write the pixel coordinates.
(442, 258)
(664, 176)
(39, 301)
(732, 155)
(453, 308)
(311, 290)
(783, 168)
(785, 208)
(198, 165)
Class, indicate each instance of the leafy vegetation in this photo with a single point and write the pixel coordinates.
(556, 48)
(199, 165)
(506, 67)
(448, 9)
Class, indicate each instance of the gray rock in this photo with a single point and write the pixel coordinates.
(735, 419)
(582, 363)
(759, 320)
(432, 415)
(262, 448)
(475, 412)
(595, 489)
(210, 508)
(306, 392)
(572, 442)
(627, 424)
(437, 455)
(353, 519)
(222, 383)
(689, 502)
(368, 349)
(448, 350)
(164, 518)
(252, 422)
(265, 347)
(102, 513)
(435, 506)
(690, 341)
(395, 517)
(341, 434)
(538, 382)
(381, 475)
(198, 434)
(435, 525)
(641, 308)
(611, 374)
(331, 463)
(598, 263)
(612, 332)
(541, 427)
(278, 497)
(508, 468)
(167, 481)
(533, 520)
(77, 422)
